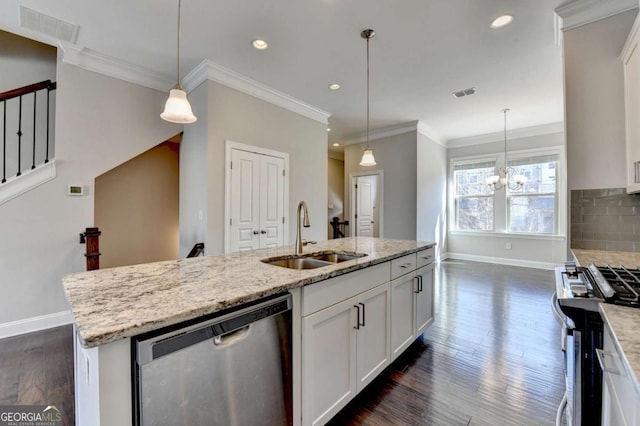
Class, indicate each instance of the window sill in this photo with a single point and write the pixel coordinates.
(512, 235)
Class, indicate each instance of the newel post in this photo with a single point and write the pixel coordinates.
(92, 238)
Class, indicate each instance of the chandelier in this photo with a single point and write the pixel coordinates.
(506, 176)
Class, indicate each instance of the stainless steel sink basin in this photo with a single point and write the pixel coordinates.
(296, 263)
(312, 260)
(336, 257)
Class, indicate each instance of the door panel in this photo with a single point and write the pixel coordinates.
(271, 201)
(402, 311)
(373, 338)
(424, 300)
(245, 208)
(367, 206)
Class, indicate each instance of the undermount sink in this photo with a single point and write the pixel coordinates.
(312, 260)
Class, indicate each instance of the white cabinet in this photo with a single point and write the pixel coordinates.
(631, 61)
(411, 301)
(344, 347)
(619, 399)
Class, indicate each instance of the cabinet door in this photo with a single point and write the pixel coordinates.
(632, 114)
(424, 300)
(328, 361)
(402, 311)
(373, 344)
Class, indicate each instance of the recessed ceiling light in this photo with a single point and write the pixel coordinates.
(328, 129)
(501, 21)
(260, 44)
(336, 144)
(334, 86)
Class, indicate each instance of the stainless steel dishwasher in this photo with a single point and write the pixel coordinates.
(230, 370)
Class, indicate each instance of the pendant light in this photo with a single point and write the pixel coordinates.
(506, 176)
(367, 156)
(177, 109)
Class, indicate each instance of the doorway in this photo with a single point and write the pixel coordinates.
(366, 203)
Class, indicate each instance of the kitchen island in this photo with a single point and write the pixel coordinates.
(113, 305)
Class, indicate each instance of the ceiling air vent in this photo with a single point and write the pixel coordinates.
(465, 92)
(45, 24)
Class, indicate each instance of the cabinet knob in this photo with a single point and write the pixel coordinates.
(263, 231)
(255, 232)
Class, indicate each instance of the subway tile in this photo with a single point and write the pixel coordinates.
(620, 246)
(621, 211)
(588, 235)
(630, 237)
(587, 202)
(607, 236)
(576, 218)
(607, 201)
(594, 245)
(594, 211)
(614, 191)
(620, 227)
(592, 193)
(635, 220)
(593, 227)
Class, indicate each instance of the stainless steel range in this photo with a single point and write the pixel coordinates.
(578, 292)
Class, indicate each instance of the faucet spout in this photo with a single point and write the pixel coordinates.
(302, 208)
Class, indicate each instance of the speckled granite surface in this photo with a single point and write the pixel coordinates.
(624, 321)
(601, 257)
(112, 304)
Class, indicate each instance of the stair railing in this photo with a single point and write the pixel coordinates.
(20, 92)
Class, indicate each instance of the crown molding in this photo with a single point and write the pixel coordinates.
(543, 129)
(208, 70)
(93, 61)
(383, 132)
(581, 12)
(427, 131)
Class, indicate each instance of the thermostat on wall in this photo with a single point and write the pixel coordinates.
(75, 190)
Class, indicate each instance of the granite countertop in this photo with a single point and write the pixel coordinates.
(623, 322)
(111, 304)
(601, 258)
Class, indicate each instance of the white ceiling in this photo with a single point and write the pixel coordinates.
(423, 50)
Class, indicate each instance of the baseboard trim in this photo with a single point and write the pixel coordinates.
(500, 260)
(29, 325)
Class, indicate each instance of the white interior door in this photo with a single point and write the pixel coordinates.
(367, 206)
(271, 201)
(245, 201)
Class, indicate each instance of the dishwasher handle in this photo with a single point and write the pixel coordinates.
(215, 328)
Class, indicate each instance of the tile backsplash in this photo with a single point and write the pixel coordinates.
(605, 219)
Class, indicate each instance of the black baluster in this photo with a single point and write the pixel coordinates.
(19, 133)
(46, 158)
(4, 142)
(33, 163)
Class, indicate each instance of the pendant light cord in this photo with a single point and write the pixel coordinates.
(179, 85)
(368, 38)
(505, 138)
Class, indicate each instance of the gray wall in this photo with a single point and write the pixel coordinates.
(594, 100)
(396, 156)
(335, 173)
(238, 117)
(431, 192)
(101, 122)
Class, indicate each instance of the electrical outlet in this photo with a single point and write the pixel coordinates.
(508, 246)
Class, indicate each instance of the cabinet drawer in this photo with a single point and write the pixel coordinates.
(426, 257)
(403, 265)
(329, 292)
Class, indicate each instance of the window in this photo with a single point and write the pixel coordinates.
(473, 197)
(533, 208)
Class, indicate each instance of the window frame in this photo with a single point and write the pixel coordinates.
(454, 202)
(501, 205)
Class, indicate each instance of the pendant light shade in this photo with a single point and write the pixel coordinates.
(367, 156)
(177, 108)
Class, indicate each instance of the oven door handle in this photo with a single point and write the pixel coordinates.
(561, 408)
(556, 308)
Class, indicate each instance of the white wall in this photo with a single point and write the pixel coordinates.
(533, 251)
(193, 174)
(101, 122)
(431, 192)
(238, 117)
(335, 174)
(396, 156)
(594, 103)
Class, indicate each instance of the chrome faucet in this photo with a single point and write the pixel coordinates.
(302, 206)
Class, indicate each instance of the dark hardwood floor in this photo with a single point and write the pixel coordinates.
(37, 369)
(492, 356)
